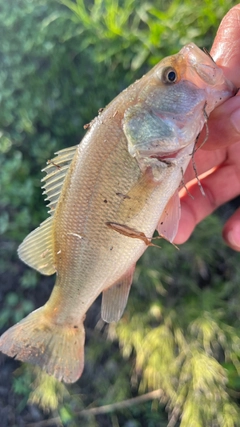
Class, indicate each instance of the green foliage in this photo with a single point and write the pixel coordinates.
(182, 342)
(16, 307)
(47, 391)
(132, 32)
(61, 62)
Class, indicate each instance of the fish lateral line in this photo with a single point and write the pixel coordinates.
(125, 230)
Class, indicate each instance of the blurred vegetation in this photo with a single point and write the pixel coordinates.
(60, 63)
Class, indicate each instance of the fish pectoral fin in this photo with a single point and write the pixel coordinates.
(36, 249)
(56, 171)
(168, 223)
(114, 299)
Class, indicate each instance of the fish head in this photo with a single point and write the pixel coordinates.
(173, 102)
(202, 70)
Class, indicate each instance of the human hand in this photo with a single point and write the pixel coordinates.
(219, 159)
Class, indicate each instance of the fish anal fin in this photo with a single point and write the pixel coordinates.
(169, 220)
(40, 341)
(114, 299)
(36, 250)
(56, 171)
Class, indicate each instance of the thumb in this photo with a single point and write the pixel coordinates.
(224, 125)
(226, 46)
(231, 231)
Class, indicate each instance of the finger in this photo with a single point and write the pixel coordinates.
(204, 161)
(220, 186)
(224, 122)
(231, 231)
(226, 46)
(224, 125)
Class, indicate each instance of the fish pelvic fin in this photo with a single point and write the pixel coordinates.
(57, 349)
(169, 221)
(114, 299)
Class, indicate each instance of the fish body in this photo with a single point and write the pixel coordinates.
(107, 196)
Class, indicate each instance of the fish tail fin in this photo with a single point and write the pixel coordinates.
(57, 349)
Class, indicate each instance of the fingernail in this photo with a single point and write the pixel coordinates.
(235, 119)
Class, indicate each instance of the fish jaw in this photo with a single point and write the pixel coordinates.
(206, 74)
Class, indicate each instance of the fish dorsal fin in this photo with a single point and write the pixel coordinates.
(56, 171)
(169, 220)
(114, 299)
(36, 250)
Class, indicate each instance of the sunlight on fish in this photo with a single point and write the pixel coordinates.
(107, 196)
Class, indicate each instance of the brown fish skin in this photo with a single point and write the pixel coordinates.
(137, 147)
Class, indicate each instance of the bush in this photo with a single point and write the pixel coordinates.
(60, 63)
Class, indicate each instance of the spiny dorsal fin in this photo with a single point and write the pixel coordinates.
(114, 299)
(36, 250)
(56, 171)
(169, 220)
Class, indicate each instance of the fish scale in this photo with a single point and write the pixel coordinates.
(106, 198)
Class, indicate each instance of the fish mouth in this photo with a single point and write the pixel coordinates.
(212, 75)
(205, 73)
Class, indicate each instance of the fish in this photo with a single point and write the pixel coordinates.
(107, 196)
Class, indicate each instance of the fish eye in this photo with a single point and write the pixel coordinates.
(169, 75)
